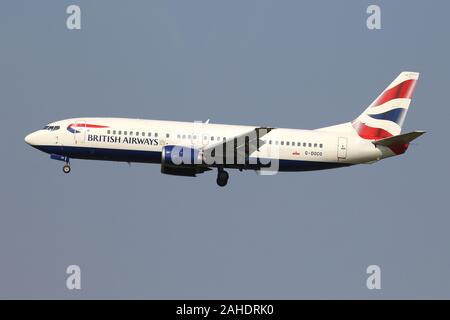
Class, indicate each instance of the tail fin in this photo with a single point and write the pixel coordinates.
(384, 117)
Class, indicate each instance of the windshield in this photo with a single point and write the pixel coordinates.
(51, 128)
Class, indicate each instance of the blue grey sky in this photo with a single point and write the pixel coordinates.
(299, 64)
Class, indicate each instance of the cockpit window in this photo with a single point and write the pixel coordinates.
(51, 128)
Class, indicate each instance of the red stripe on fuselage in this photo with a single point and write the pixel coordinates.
(404, 90)
(370, 133)
(83, 125)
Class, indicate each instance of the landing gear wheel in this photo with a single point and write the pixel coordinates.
(66, 169)
(222, 178)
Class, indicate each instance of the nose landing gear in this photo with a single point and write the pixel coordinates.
(66, 168)
(222, 177)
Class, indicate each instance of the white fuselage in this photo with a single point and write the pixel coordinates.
(137, 140)
(191, 148)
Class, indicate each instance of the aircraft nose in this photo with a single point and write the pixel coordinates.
(31, 139)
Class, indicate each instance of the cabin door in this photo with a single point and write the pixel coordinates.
(342, 148)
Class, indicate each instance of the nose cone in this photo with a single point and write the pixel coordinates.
(31, 139)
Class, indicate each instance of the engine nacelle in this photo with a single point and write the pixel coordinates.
(180, 161)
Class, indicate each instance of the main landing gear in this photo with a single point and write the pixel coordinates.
(222, 177)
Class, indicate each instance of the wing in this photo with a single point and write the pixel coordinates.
(239, 148)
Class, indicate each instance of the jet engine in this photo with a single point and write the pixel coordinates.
(181, 161)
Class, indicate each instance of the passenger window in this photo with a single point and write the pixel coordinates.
(310, 145)
(293, 144)
(287, 143)
(315, 145)
(184, 136)
(224, 139)
(298, 144)
(120, 132)
(304, 144)
(218, 138)
(109, 131)
(149, 134)
(189, 136)
(131, 133)
(282, 143)
(167, 135)
(320, 145)
(178, 136)
(194, 137)
(276, 142)
(114, 131)
(212, 138)
(270, 141)
(125, 133)
(156, 135)
(137, 134)
(143, 134)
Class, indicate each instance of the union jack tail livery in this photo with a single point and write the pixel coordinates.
(385, 115)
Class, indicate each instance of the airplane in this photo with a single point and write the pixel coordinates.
(192, 148)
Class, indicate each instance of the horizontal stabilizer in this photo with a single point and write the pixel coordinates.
(400, 139)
